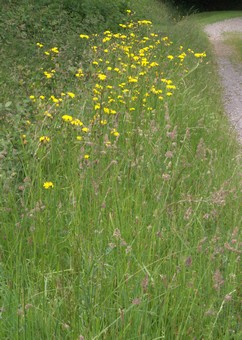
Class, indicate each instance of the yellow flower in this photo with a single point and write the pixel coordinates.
(48, 185)
(71, 94)
(107, 143)
(47, 114)
(54, 99)
(106, 110)
(106, 39)
(42, 97)
(39, 45)
(102, 76)
(84, 36)
(144, 62)
(153, 64)
(115, 133)
(79, 138)
(86, 156)
(48, 74)
(200, 55)
(182, 55)
(144, 22)
(171, 87)
(44, 139)
(79, 73)
(170, 57)
(67, 118)
(133, 79)
(85, 129)
(76, 122)
(55, 50)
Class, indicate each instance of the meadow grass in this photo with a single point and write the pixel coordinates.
(121, 192)
(205, 18)
(235, 42)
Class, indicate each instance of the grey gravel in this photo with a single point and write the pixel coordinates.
(230, 73)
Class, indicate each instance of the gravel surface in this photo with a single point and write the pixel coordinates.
(230, 73)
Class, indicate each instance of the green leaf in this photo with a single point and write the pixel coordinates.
(8, 104)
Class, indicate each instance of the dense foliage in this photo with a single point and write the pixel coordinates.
(207, 5)
(120, 190)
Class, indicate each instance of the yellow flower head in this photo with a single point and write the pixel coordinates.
(132, 79)
(102, 76)
(44, 139)
(76, 122)
(200, 55)
(55, 50)
(48, 185)
(67, 118)
(79, 73)
(71, 94)
(144, 22)
(84, 36)
(47, 114)
(115, 133)
(85, 129)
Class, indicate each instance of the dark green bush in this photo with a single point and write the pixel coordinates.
(90, 16)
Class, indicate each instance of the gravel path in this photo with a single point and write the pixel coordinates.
(231, 74)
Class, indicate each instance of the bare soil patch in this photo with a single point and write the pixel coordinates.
(230, 73)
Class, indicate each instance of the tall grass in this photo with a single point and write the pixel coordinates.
(234, 41)
(120, 205)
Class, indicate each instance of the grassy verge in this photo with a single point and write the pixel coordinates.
(120, 202)
(234, 40)
(206, 18)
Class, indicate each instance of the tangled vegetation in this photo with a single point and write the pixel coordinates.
(120, 204)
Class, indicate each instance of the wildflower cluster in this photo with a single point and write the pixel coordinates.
(129, 75)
